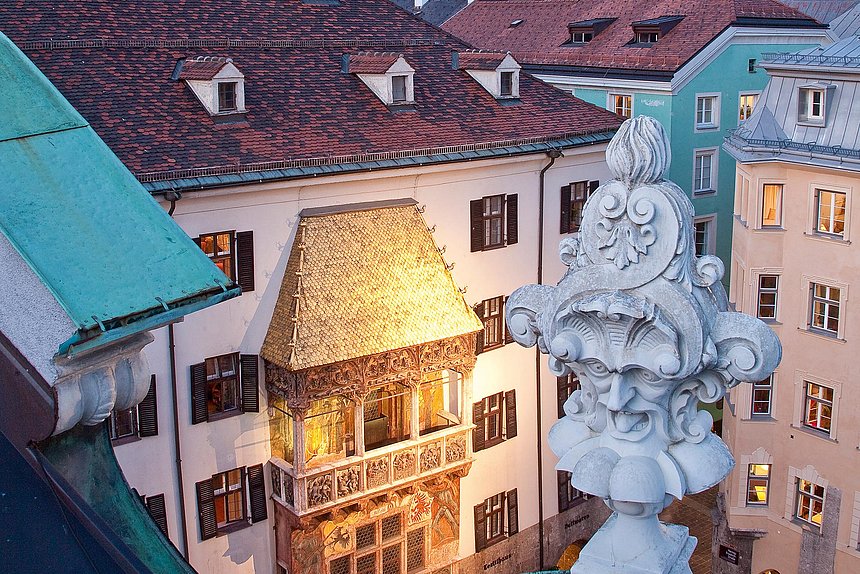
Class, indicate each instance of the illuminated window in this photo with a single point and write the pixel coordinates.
(233, 253)
(386, 415)
(818, 407)
(768, 286)
(222, 383)
(219, 248)
(810, 502)
(622, 104)
(830, 212)
(758, 483)
(329, 430)
(229, 490)
(747, 104)
(231, 500)
(771, 205)
(439, 401)
(824, 311)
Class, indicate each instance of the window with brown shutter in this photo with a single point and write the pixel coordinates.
(510, 414)
(147, 412)
(257, 493)
(479, 438)
(199, 412)
(573, 199)
(250, 384)
(568, 496)
(495, 419)
(493, 222)
(496, 518)
(231, 500)
(206, 509)
(130, 425)
(233, 253)
(480, 526)
(158, 511)
(565, 386)
(491, 317)
(245, 260)
(224, 385)
(513, 512)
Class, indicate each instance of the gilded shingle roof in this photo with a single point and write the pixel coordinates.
(360, 281)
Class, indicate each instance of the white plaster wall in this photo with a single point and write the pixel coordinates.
(271, 211)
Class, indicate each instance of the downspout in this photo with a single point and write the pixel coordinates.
(553, 154)
(173, 197)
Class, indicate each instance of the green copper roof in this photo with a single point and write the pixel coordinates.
(110, 255)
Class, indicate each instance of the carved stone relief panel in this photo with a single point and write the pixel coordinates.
(404, 464)
(431, 456)
(377, 473)
(455, 448)
(348, 481)
(319, 490)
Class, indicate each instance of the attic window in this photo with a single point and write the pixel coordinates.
(216, 82)
(516, 23)
(398, 89)
(647, 32)
(497, 72)
(647, 37)
(585, 31)
(388, 75)
(581, 36)
(507, 84)
(812, 103)
(226, 97)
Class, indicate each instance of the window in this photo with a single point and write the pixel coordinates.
(137, 422)
(398, 89)
(157, 510)
(580, 37)
(703, 234)
(491, 315)
(573, 199)
(233, 253)
(439, 401)
(568, 496)
(647, 37)
(227, 97)
(830, 212)
(812, 105)
(810, 502)
(224, 500)
(818, 407)
(747, 104)
(762, 397)
(751, 65)
(493, 222)
(507, 83)
(565, 386)
(771, 205)
(223, 385)
(387, 410)
(824, 312)
(329, 430)
(379, 549)
(495, 419)
(768, 286)
(758, 483)
(704, 171)
(621, 104)
(496, 519)
(707, 112)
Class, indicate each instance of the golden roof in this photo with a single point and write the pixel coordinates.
(361, 280)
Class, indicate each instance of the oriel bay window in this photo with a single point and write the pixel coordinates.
(386, 415)
(224, 385)
(439, 401)
(329, 430)
(231, 500)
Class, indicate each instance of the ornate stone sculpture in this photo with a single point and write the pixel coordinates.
(644, 324)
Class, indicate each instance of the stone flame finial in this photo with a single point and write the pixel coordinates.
(643, 323)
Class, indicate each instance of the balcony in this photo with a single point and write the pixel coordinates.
(355, 477)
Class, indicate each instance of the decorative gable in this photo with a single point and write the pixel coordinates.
(497, 72)
(217, 83)
(389, 76)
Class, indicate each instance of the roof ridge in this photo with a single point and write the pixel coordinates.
(52, 44)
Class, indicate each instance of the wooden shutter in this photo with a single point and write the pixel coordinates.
(479, 339)
(206, 509)
(199, 409)
(512, 219)
(513, 516)
(592, 187)
(564, 223)
(196, 240)
(561, 393)
(158, 511)
(147, 412)
(257, 490)
(249, 369)
(508, 337)
(479, 436)
(480, 527)
(245, 260)
(476, 223)
(511, 414)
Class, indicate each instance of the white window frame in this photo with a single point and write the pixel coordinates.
(809, 474)
(741, 95)
(828, 301)
(714, 154)
(610, 102)
(806, 105)
(759, 290)
(700, 122)
(770, 390)
(800, 380)
(711, 237)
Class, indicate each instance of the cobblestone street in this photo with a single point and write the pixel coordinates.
(695, 513)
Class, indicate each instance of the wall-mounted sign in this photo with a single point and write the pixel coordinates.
(730, 555)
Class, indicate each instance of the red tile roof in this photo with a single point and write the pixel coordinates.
(113, 60)
(480, 60)
(201, 68)
(540, 37)
(372, 63)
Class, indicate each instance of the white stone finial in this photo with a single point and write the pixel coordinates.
(643, 323)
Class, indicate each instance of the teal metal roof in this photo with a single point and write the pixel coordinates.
(110, 255)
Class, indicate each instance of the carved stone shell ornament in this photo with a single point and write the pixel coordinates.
(644, 323)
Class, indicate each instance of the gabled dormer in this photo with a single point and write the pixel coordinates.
(217, 83)
(648, 32)
(388, 75)
(584, 31)
(497, 72)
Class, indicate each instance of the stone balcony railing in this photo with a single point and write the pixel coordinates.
(354, 477)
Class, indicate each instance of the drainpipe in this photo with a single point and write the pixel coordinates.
(553, 154)
(173, 197)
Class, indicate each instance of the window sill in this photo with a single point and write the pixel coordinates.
(772, 322)
(704, 192)
(804, 525)
(830, 238)
(124, 440)
(822, 334)
(230, 528)
(707, 128)
(224, 415)
(814, 432)
(493, 247)
(760, 419)
(811, 123)
(770, 229)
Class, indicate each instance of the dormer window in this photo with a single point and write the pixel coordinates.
(388, 76)
(648, 32)
(215, 81)
(497, 72)
(812, 103)
(584, 32)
